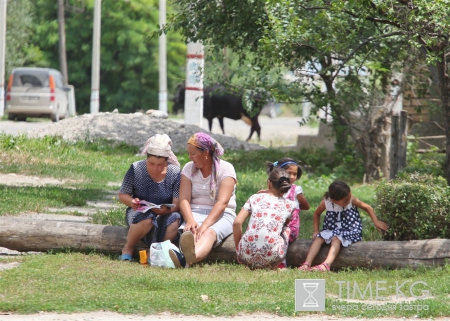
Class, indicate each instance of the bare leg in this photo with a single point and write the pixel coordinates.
(135, 233)
(172, 231)
(314, 249)
(334, 250)
(205, 244)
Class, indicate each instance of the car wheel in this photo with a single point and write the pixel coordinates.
(55, 117)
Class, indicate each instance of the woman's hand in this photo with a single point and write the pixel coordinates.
(164, 210)
(191, 226)
(315, 235)
(135, 203)
(200, 231)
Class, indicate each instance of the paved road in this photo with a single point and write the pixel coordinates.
(279, 128)
(20, 127)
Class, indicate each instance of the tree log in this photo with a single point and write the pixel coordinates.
(31, 235)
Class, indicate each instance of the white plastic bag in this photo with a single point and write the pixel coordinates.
(159, 254)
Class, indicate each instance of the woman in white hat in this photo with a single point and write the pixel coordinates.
(156, 180)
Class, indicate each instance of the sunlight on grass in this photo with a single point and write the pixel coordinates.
(125, 287)
(75, 282)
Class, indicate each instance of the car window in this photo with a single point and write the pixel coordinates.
(30, 79)
(58, 81)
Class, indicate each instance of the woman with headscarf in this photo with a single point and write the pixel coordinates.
(156, 180)
(207, 200)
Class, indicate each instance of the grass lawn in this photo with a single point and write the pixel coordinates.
(69, 282)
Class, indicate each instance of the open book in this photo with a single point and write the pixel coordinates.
(145, 206)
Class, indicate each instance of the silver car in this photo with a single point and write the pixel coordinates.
(37, 92)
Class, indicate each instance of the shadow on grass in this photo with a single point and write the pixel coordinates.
(19, 199)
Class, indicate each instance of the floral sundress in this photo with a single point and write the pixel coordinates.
(264, 243)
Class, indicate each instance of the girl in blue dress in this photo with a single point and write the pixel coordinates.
(341, 226)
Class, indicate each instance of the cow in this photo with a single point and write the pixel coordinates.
(218, 103)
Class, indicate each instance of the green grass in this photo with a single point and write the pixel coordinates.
(75, 282)
(88, 167)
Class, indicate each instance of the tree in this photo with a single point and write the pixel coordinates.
(19, 30)
(128, 62)
(422, 27)
(309, 43)
(328, 35)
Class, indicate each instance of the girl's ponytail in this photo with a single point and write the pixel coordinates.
(270, 166)
(280, 180)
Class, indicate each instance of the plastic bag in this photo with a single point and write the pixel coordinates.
(159, 254)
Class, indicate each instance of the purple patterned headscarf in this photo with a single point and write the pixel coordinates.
(206, 142)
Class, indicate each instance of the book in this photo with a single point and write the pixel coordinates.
(146, 206)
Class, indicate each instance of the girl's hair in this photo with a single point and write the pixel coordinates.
(337, 190)
(285, 162)
(280, 180)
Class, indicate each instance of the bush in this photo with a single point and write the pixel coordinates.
(428, 163)
(415, 206)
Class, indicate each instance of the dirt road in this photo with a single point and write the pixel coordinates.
(109, 316)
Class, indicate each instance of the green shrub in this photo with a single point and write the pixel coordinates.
(427, 163)
(415, 206)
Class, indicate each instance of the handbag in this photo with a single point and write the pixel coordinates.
(159, 254)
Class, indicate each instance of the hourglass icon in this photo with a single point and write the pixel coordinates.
(310, 301)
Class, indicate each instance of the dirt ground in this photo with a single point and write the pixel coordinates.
(110, 316)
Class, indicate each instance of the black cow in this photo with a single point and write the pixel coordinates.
(218, 103)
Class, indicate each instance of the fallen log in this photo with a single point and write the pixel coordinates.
(30, 235)
(23, 234)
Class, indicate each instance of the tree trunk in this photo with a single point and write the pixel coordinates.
(395, 133)
(444, 82)
(386, 147)
(31, 235)
(339, 127)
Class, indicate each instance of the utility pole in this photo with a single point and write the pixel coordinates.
(62, 42)
(162, 59)
(2, 54)
(95, 77)
(193, 100)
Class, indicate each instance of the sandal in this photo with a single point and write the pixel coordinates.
(322, 267)
(305, 267)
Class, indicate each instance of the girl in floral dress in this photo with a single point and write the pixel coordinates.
(264, 243)
(295, 193)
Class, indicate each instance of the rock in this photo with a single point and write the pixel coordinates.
(157, 114)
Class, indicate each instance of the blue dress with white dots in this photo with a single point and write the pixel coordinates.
(343, 222)
(138, 183)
